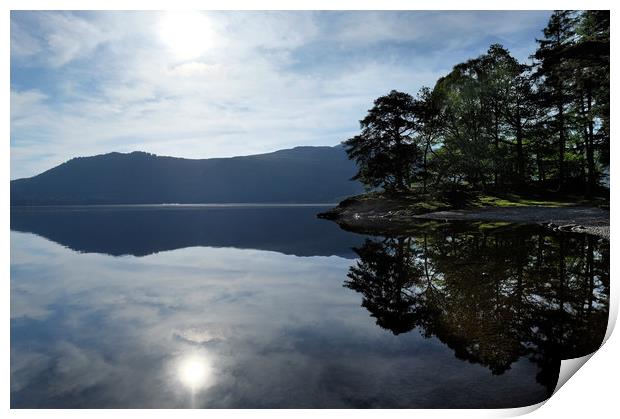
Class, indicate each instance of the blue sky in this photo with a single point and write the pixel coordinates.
(217, 84)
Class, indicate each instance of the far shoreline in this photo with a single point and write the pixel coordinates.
(174, 205)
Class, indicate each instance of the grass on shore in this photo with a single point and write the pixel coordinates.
(435, 202)
(513, 200)
(415, 203)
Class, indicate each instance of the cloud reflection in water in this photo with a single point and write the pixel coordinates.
(228, 327)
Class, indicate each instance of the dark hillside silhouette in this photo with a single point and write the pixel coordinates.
(298, 175)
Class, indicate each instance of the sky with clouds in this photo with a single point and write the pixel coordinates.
(218, 84)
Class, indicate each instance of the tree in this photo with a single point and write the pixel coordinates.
(591, 57)
(495, 73)
(428, 125)
(506, 94)
(496, 90)
(386, 152)
(495, 121)
(554, 73)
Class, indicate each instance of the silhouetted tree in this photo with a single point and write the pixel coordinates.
(591, 57)
(386, 152)
(554, 74)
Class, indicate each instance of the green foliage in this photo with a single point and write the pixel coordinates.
(572, 85)
(493, 123)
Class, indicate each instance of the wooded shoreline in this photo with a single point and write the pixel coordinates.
(495, 139)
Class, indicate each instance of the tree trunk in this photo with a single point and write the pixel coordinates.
(590, 147)
(496, 174)
(541, 169)
(561, 145)
(520, 158)
(424, 172)
(400, 169)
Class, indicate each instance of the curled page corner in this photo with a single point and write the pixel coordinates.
(568, 368)
(613, 314)
(519, 411)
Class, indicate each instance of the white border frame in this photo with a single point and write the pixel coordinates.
(591, 393)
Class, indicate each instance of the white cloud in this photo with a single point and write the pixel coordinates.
(23, 44)
(268, 80)
(269, 30)
(456, 28)
(194, 68)
(56, 39)
(69, 37)
(25, 102)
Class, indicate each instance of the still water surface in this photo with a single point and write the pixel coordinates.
(250, 307)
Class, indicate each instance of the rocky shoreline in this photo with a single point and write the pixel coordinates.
(577, 219)
(369, 215)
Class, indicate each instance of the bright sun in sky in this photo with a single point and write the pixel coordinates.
(187, 34)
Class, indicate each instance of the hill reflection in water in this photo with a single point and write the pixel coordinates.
(142, 230)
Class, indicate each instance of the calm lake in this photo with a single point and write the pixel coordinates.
(269, 307)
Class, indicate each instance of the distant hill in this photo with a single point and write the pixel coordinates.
(297, 175)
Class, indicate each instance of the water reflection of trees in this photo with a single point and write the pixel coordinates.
(492, 297)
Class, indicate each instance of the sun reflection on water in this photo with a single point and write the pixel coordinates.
(195, 371)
